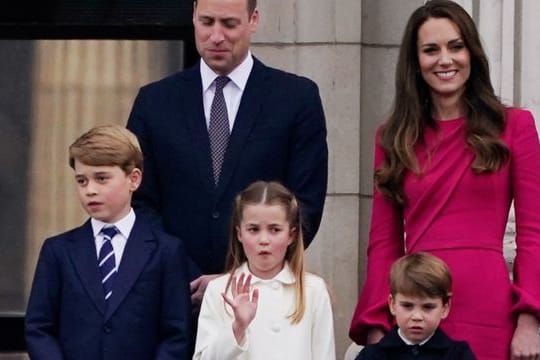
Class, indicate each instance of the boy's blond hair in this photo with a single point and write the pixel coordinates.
(421, 274)
(107, 145)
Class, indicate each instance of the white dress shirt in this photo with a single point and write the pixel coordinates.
(232, 91)
(119, 241)
(270, 336)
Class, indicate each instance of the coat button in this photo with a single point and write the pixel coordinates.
(215, 214)
(107, 329)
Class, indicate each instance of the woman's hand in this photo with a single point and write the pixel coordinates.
(244, 306)
(374, 335)
(526, 340)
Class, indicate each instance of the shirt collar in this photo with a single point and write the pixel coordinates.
(239, 76)
(406, 341)
(285, 276)
(123, 225)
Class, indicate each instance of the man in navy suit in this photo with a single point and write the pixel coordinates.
(277, 132)
(114, 288)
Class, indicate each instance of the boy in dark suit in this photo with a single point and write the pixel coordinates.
(114, 288)
(420, 286)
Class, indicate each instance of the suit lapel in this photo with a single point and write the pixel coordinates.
(84, 257)
(193, 110)
(139, 248)
(250, 106)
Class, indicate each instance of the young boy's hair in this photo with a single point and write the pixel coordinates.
(271, 193)
(107, 145)
(421, 274)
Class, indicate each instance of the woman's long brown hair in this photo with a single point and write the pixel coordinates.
(412, 109)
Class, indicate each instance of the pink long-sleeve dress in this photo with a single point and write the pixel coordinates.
(460, 216)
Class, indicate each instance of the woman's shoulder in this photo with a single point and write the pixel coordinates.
(518, 121)
(516, 115)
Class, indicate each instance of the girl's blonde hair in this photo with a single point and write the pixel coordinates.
(270, 193)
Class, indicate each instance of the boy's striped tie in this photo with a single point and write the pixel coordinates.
(106, 261)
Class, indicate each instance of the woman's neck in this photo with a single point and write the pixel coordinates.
(447, 108)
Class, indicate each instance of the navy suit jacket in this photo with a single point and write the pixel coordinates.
(149, 312)
(279, 134)
(439, 347)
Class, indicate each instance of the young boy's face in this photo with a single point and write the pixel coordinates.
(105, 191)
(417, 317)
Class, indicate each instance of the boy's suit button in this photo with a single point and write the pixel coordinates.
(215, 214)
(107, 328)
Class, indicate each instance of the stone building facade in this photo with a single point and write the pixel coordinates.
(349, 47)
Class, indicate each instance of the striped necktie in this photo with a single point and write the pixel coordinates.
(107, 262)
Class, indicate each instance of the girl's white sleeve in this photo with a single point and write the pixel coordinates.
(323, 342)
(215, 338)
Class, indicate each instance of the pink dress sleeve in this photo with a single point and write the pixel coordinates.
(386, 244)
(525, 170)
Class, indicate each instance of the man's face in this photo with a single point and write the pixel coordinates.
(223, 32)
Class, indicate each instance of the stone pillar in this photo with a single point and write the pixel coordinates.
(528, 47)
(320, 39)
(382, 30)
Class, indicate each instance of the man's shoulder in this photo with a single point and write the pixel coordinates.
(171, 81)
(284, 76)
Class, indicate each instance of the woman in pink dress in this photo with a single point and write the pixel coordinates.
(448, 163)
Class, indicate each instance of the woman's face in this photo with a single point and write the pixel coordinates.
(445, 62)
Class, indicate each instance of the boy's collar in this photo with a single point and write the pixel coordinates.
(408, 342)
(123, 225)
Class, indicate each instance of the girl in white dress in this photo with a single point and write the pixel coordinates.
(266, 306)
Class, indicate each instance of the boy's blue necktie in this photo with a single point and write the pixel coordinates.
(107, 262)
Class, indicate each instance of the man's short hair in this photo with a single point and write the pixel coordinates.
(251, 5)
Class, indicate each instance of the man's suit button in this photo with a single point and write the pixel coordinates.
(215, 214)
(107, 328)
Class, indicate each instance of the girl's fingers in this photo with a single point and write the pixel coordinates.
(239, 285)
(247, 284)
(255, 296)
(228, 301)
(233, 286)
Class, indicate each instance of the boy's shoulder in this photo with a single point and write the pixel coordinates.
(70, 234)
